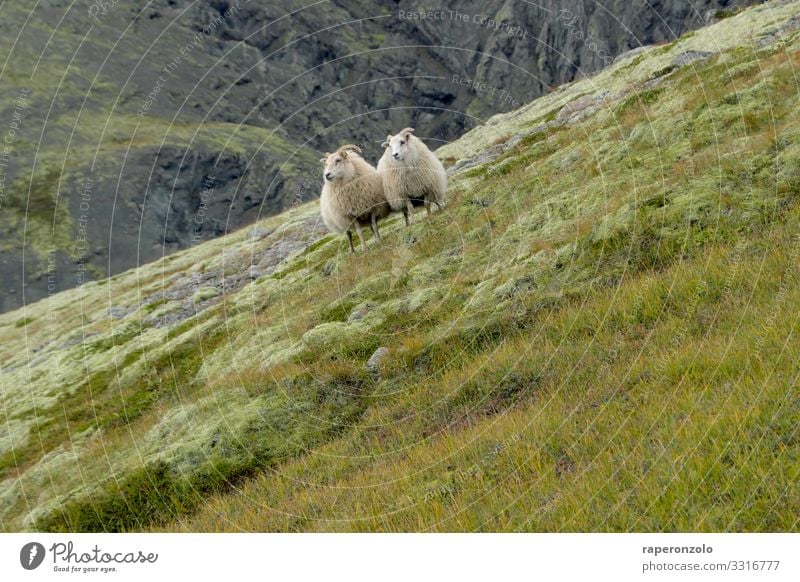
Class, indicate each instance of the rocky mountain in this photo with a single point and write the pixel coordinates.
(137, 131)
(596, 333)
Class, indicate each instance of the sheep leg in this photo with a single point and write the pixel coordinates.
(427, 199)
(361, 236)
(409, 211)
(375, 227)
(350, 240)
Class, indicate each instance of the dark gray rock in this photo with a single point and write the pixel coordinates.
(116, 312)
(689, 57)
(374, 362)
(360, 312)
(192, 292)
(576, 106)
(258, 233)
(482, 158)
(791, 25)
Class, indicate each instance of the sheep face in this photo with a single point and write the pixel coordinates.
(399, 145)
(338, 167)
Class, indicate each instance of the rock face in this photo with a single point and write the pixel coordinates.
(206, 115)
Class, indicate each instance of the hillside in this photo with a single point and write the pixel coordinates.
(147, 128)
(598, 333)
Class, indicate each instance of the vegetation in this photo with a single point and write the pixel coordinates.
(598, 333)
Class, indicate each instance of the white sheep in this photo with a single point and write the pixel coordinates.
(352, 194)
(412, 174)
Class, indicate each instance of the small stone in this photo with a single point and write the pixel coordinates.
(360, 312)
(116, 312)
(766, 40)
(790, 25)
(653, 83)
(576, 106)
(689, 57)
(328, 268)
(374, 362)
(450, 170)
(486, 156)
(254, 272)
(258, 233)
(513, 140)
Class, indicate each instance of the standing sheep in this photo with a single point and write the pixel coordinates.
(412, 174)
(352, 194)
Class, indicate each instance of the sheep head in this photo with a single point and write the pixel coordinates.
(399, 144)
(338, 166)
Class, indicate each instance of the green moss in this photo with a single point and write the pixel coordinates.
(345, 340)
(337, 311)
(543, 119)
(477, 172)
(119, 336)
(291, 268)
(205, 293)
(277, 430)
(36, 198)
(663, 72)
(153, 305)
(639, 99)
(723, 14)
(70, 415)
(376, 40)
(142, 496)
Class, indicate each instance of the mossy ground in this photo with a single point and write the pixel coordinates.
(597, 333)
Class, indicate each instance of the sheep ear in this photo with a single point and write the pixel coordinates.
(323, 160)
(385, 144)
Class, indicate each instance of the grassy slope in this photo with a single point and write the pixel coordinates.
(599, 333)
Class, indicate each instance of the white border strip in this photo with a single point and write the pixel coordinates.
(388, 557)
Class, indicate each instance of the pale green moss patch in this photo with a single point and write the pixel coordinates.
(205, 293)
